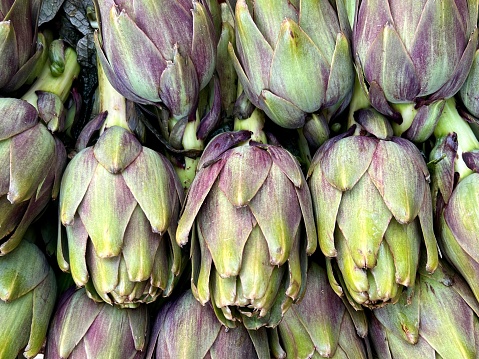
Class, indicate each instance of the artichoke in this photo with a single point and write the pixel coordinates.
(373, 208)
(31, 158)
(119, 202)
(247, 208)
(320, 326)
(413, 54)
(455, 179)
(84, 329)
(169, 64)
(27, 293)
(19, 51)
(436, 319)
(186, 329)
(293, 58)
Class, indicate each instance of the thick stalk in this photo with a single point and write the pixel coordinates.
(451, 121)
(58, 85)
(255, 124)
(111, 101)
(359, 101)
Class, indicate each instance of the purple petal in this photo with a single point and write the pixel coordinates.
(226, 232)
(244, 173)
(389, 64)
(199, 189)
(203, 46)
(220, 144)
(17, 117)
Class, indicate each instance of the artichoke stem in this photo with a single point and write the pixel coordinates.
(255, 124)
(451, 121)
(359, 101)
(58, 85)
(304, 151)
(111, 101)
(187, 173)
(408, 113)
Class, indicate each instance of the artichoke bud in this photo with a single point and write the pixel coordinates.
(176, 320)
(374, 212)
(415, 326)
(316, 130)
(178, 60)
(82, 328)
(27, 298)
(254, 270)
(129, 256)
(278, 56)
(398, 58)
(319, 325)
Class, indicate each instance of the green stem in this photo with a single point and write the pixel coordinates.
(359, 101)
(451, 121)
(111, 101)
(408, 113)
(59, 85)
(255, 124)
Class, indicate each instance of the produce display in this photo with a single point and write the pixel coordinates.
(270, 179)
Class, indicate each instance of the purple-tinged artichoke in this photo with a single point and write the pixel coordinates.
(438, 318)
(320, 325)
(84, 329)
(27, 298)
(119, 203)
(294, 58)
(455, 188)
(186, 329)
(247, 209)
(173, 53)
(31, 158)
(411, 55)
(373, 208)
(19, 51)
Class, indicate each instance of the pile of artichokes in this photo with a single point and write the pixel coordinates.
(239, 179)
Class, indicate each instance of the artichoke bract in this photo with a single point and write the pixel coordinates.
(413, 54)
(320, 326)
(84, 329)
(373, 209)
(27, 297)
(186, 329)
(247, 209)
(32, 159)
(436, 319)
(293, 58)
(455, 185)
(173, 53)
(119, 203)
(19, 51)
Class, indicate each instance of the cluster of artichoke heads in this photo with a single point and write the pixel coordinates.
(239, 179)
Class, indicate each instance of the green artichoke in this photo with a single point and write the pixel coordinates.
(119, 203)
(84, 329)
(247, 208)
(186, 329)
(27, 298)
(412, 54)
(320, 326)
(169, 64)
(293, 58)
(32, 159)
(373, 208)
(19, 51)
(436, 319)
(455, 184)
